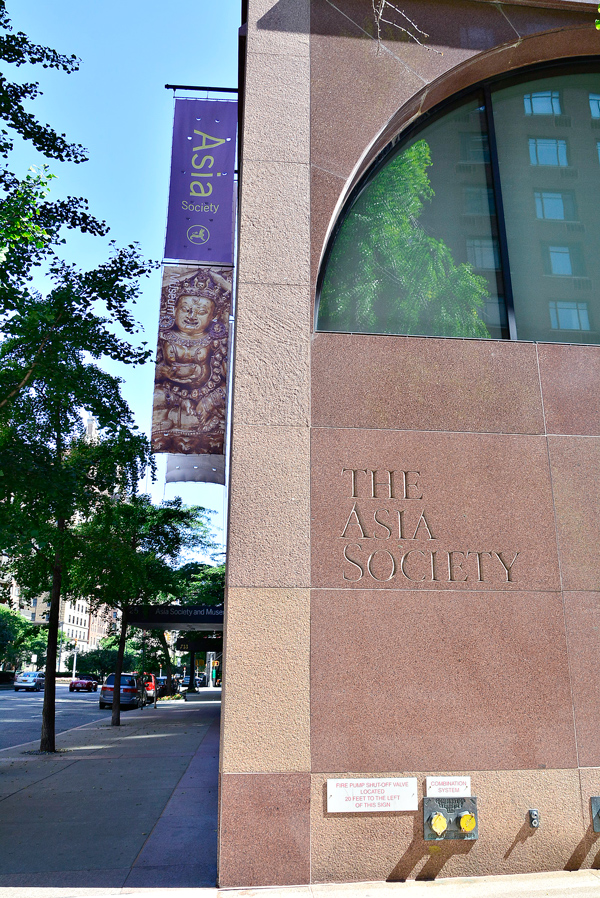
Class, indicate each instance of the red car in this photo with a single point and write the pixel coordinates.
(89, 684)
(150, 686)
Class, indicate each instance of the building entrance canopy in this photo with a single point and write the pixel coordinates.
(178, 617)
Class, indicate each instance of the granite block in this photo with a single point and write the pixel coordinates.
(569, 376)
(269, 502)
(265, 830)
(266, 718)
(279, 28)
(582, 619)
(575, 467)
(325, 192)
(347, 847)
(274, 244)
(416, 383)
(401, 680)
(276, 114)
(375, 84)
(467, 511)
(272, 349)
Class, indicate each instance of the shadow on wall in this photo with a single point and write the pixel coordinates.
(437, 854)
(450, 23)
(579, 856)
(286, 15)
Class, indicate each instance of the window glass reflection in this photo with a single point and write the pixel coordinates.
(542, 102)
(552, 241)
(547, 151)
(416, 254)
(560, 261)
(421, 250)
(555, 206)
(569, 316)
(595, 105)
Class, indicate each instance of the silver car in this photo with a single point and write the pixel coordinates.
(133, 694)
(30, 681)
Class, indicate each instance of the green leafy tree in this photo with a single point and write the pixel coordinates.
(201, 584)
(132, 547)
(387, 275)
(12, 625)
(51, 351)
(102, 661)
(16, 49)
(51, 476)
(20, 639)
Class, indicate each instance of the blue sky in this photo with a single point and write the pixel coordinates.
(118, 108)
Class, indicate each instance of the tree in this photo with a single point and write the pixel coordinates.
(20, 639)
(11, 627)
(51, 475)
(51, 348)
(17, 50)
(387, 275)
(131, 548)
(103, 660)
(201, 584)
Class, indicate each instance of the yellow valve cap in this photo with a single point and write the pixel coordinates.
(467, 822)
(438, 823)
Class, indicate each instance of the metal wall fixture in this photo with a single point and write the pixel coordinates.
(596, 813)
(450, 818)
(534, 818)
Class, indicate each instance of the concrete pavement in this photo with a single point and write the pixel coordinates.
(133, 811)
(133, 806)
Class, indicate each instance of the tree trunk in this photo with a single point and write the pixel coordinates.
(48, 738)
(192, 686)
(116, 705)
(167, 656)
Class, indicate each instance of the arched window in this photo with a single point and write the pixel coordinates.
(483, 221)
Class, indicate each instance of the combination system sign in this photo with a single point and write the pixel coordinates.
(200, 216)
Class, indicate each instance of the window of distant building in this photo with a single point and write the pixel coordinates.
(478, 200)
(547, 151)
(477, 219)
(542, 102)
(570, 316)
(555, 206)
(483, 253)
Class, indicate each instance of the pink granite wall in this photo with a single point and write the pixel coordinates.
(429, 655)
(448, 624)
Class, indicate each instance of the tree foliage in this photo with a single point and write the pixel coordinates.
(131, 551)
(387, 274)
(20, 640)
(16, 49)
(103, 660)
(201, 584)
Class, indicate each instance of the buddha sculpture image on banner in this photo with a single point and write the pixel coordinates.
(190, 395)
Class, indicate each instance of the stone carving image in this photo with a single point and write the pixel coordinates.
(190, 395)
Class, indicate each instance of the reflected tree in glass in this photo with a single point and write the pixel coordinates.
(386, 274)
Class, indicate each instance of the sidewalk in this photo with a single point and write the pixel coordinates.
(128, 807)
(133, 811)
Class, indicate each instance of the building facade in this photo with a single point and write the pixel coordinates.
(413, 585)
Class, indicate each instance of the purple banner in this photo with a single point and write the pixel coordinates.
(200, 217)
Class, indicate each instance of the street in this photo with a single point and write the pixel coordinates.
(21, 713)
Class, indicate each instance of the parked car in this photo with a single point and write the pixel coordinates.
(133, 694)
(200, 681)
(161, 685)
(30, 681)
(150, 686)
(84, 682)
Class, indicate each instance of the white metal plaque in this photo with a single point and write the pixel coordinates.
(449, 786)
(367, 796)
